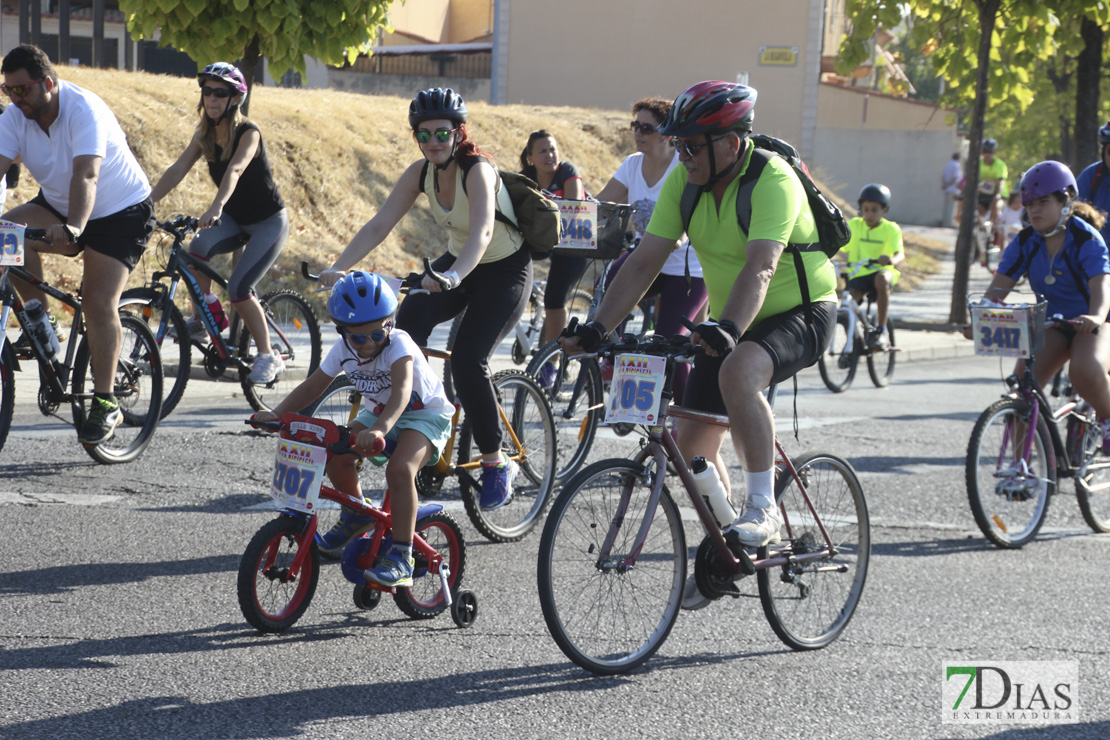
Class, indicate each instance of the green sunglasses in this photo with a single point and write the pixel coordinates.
(442, 135)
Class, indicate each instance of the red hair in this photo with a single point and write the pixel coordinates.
(465, 148)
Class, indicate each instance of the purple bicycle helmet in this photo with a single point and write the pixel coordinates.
(1045, 178)
(1104, 134)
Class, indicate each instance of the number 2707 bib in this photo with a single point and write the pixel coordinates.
(298, 475)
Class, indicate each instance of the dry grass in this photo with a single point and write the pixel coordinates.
(335, 157)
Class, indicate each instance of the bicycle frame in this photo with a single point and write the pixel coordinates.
(55, 375)
(662, 448)
(1027, 388)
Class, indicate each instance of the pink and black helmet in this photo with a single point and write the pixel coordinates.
(224, 72)
(1046, 178)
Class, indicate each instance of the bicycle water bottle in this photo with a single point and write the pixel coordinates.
(712, 490)
(41, 330)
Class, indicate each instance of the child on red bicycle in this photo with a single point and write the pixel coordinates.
(403, 401)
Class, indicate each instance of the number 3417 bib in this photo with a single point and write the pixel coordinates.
(637, 389)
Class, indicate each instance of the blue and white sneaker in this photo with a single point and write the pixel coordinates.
(393, 570)
(497, 484)
(349, 526)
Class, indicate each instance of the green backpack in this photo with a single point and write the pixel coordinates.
(537, 216)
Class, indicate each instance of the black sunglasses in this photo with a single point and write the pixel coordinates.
(374, 336)
(443, 135)
(219, 92)
(644, 129)
(691, 150)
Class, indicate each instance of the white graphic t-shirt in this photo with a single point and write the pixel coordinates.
(374, 379)
(642, 198)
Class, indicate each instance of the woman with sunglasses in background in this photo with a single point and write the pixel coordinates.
(489, 275)
(638, 182)
(540, 162)
(402, 401)
(247, 202)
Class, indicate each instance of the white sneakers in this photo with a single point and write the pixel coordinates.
(266, 369)
(757, 527)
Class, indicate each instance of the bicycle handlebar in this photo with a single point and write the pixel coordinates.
(409, 284)
(342, 446)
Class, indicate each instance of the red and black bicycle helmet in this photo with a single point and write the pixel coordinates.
(710, 107)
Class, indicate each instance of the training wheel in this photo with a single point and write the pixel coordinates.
(366, 598)
(464, 608)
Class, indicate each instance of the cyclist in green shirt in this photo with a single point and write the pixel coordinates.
(992, 180)
(874, 238)
(762, 330)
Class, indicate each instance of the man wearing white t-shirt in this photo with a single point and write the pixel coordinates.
(94, 197)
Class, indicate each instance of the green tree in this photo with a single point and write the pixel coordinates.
(282, 31)
(967, 39)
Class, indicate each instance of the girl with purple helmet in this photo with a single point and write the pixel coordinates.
(1066, 261)
(247, 203)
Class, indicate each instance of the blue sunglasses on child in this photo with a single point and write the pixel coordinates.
(375, 336)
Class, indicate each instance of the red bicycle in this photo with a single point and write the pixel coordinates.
(281, 565)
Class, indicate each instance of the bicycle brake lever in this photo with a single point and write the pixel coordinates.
(438, 277)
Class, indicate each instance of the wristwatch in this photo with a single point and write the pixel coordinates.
(74, 232)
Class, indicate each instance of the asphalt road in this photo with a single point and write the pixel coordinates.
(118, 611)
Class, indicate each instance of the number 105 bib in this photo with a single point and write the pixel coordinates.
(637, 389)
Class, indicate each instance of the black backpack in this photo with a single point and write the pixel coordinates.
(537, 216)
(832, 228)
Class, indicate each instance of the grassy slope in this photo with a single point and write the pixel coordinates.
(335, 157)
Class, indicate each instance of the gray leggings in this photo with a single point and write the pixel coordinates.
(265, 240)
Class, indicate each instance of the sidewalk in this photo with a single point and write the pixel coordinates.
(920, 317)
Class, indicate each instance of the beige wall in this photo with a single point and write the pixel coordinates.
(855, 108)
(470, 20)
(607, 54)
(426, 20)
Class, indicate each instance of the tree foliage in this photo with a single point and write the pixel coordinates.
(282, 31)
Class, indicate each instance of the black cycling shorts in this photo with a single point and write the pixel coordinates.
(122, 235)
(793, 344)
(864, 284)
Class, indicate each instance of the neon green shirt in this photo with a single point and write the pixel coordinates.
(995, 171)
(780, 212)
(870, 244)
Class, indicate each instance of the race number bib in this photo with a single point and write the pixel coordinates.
(578, 224)
(1003, 331)
(11, 244)
(298, 475)
(637, 389)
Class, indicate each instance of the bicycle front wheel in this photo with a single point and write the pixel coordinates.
(838, 362)
(270, 597)
(578, 401)
(137, 387)
(808, 603)
(295, 336)
(524, 406)
(7, 392)
(609, 614)
(880, 365)
(1008, 491)
(171, 332)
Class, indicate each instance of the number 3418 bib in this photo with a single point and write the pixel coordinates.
(637, 389)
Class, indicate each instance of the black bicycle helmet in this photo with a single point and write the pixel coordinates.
(989, 145)
(429, 105)
(875, 193)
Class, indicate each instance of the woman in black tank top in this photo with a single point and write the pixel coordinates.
(247, 203)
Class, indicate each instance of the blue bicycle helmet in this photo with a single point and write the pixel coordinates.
(359, 298)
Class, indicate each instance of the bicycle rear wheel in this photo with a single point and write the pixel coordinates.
(425, 598)
(1008, 492)
(137, 387)
(808, 603)
(838, 362)
(880, 365)
(7, 392)
(604, 616)
(578, 401)
(171, 332)
(525, 406)
(295, 335)
(1092, 482)
(270, 599)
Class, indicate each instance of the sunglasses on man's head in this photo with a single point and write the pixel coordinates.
(374, 336)
(219, 92)
(443, 135)
(18, 91)
(644, 129)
